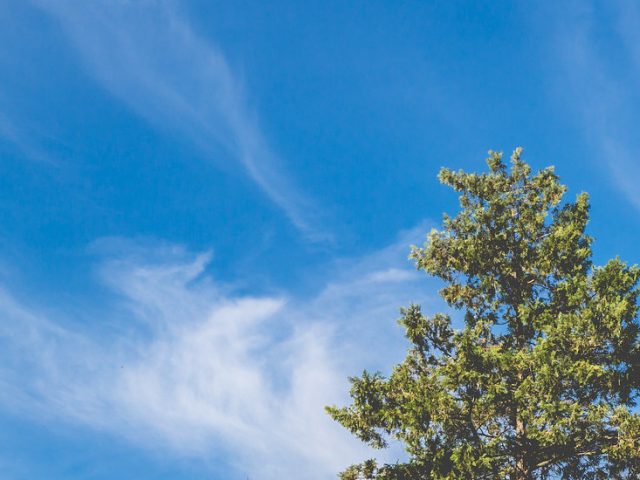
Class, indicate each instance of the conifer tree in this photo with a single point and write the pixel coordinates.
(542, 378)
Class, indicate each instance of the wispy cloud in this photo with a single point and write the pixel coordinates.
(601, 91)
(183, 364)
(22, 141)
(147, 55)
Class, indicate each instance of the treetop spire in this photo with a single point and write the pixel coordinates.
(542, 378)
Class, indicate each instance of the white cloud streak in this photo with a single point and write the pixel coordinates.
(601, 92)
(191, 368)
(16, 136)
(147, 55)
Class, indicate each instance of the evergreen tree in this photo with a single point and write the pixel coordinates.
(543, 377)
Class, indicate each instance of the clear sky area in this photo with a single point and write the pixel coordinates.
(206, 208)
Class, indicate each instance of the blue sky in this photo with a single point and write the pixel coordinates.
(206, 208)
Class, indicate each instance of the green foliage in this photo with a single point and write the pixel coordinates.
(542, 379)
